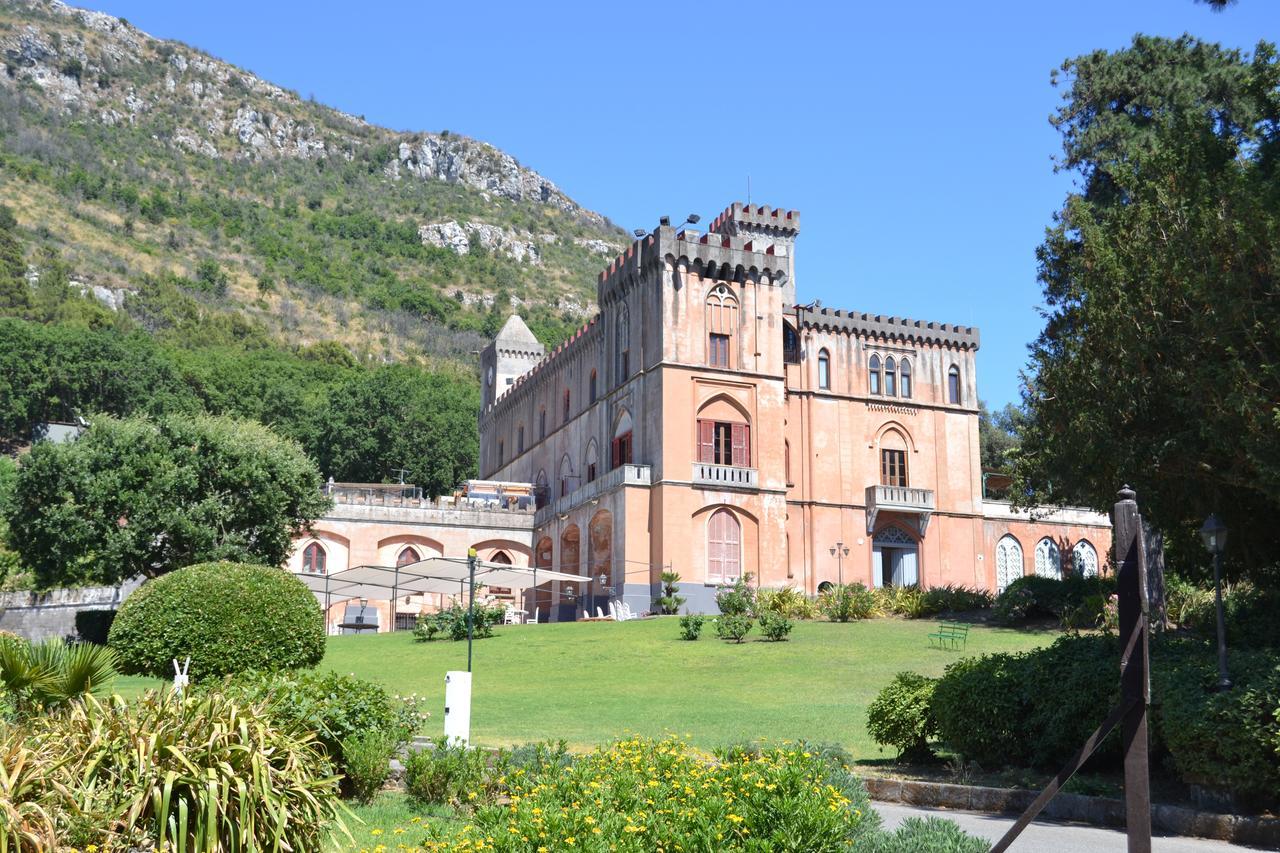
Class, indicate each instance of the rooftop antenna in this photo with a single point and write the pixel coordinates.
(748, 190)
(400, 474)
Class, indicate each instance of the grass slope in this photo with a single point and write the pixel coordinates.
(587, 682)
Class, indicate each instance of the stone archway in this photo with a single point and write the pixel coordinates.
(538, 599)
(570, 562)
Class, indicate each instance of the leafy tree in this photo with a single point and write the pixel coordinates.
(1159, 364)
(998, 436)
(138, 496)
(14, 292)
(396, 417)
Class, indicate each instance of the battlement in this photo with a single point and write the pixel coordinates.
(894, 328)
(588, 332)
(761, 216)
(720, 255)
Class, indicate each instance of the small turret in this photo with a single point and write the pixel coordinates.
(513, 353)
(765, 226)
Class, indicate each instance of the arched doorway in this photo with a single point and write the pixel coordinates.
(571, 563)
(538, 601)
(600, 562)
(895, 558)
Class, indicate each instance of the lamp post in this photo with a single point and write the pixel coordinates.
(1214, 536)
(840, 551)
(471, 602)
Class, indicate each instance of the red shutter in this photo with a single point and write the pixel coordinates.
(626, 448)
(616, 457)
(740, 456)
(706, 440)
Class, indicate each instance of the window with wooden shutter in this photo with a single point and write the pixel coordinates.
(724, 547)
(706, 437)
(741, 445)
(893, 467)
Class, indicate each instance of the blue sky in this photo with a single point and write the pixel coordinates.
(912, 136)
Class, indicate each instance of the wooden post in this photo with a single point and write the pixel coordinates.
(1135, 682)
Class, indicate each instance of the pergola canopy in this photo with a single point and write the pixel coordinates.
(445, 575)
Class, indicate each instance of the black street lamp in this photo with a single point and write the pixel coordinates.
(840, 551)
(1214, 536)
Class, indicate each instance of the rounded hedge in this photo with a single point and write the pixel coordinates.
(228, 617)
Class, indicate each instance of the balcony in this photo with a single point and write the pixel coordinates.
(905, 499)
(627, 474)
(725, 476)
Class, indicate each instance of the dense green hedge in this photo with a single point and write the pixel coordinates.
(228, 617)
(93, 626)
(1037, 709)
(1038, 597)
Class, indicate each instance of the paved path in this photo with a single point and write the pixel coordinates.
(1048, 836)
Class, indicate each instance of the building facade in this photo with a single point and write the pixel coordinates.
(705, 423)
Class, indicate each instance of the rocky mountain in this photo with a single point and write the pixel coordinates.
(147, 167)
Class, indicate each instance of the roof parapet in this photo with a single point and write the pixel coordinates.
(878, 325)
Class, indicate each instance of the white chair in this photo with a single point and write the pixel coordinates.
(510, 616)
(536, 612)
(613, 611)
(626, 611)
(599, 612)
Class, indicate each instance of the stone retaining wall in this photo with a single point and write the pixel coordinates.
(45, 615)
(1101, 811)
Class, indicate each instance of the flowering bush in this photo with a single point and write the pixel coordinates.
(644, 795)
(738, 599)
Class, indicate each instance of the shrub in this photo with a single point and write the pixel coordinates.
(227, 617)
(844, 603)
(31, 793)
(738, 599)
(901, 600)
(900, 715)
(639, 795)
(774, 626)
(367, 764)
(954, 599)
(734, 627)
(445, 774)
(787, 601)
(52, 674)
(92, 626)
(1038, 597)
(338, 708)
(1224, 740)
(1033, 708)
(202, 773)
(926, 835)
(670, 601)
(451, 622)
(691, 626)
(1252, 615)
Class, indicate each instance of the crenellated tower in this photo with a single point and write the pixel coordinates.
(765, 226)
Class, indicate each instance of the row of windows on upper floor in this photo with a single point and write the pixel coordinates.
(890, 377)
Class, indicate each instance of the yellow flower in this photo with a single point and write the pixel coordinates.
(736, 818)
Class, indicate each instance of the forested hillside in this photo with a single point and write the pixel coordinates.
(180, 235)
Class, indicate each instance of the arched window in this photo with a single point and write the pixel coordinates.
(1084, 559)
(824, 370)
(786, 460)
(566, 405)
(502, 452)
(622, 343)
(1008, 562)
(313, 559)
(873, 374)
(724, 547)
(722, 323)
(1048, 559)
(566, 476)
(591, 460)
(904, 371)
(542, 423)
(724, 436)
(592, 395)
(790, 344)
(407, 556)
(501, 558)
(953, 384)
(893, 459)
(890, 377)
(520, 439)
(620, 448)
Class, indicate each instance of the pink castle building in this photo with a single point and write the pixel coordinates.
(705, 423)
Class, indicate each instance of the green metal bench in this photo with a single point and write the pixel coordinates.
(950, 635)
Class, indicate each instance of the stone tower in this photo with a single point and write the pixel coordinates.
(766, 227)
(512, 354)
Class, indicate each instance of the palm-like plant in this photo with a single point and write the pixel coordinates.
(51, 674)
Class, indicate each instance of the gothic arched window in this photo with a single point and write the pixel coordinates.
(890, 377)
(790, 344)
(722, 323)
(953, 384)
(873, 374)
(1048, 559)
(592, 395)
(904, 372)
(407, 556)
(824, 370)
(1008, 562)
(313, 559)
(622, 343)
(1084, 559)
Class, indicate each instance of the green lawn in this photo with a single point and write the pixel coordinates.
(587, 682)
